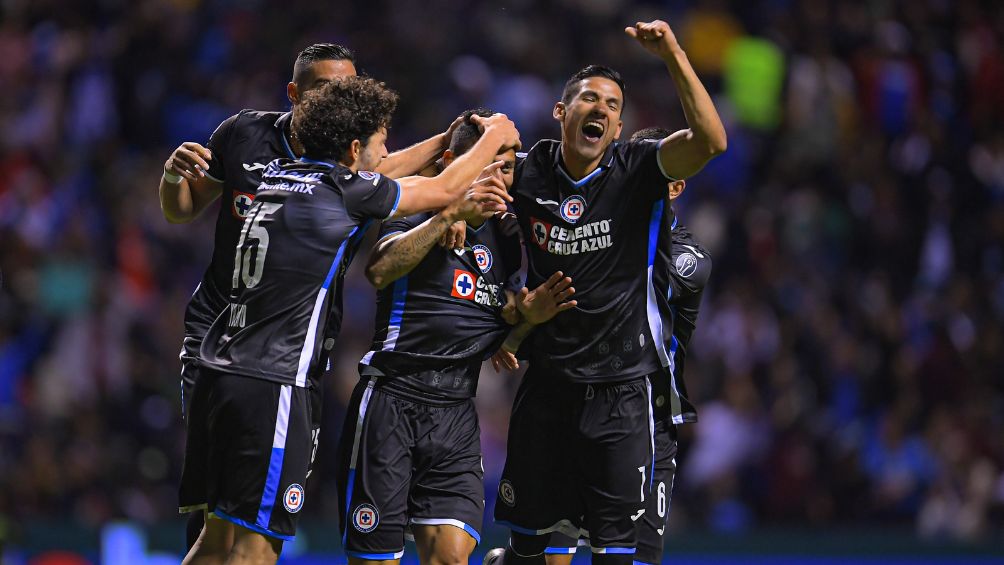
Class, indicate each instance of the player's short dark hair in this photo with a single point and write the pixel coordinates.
(334, 115)
(320, 52)
(571, 87)
(467, 133)
(650, 134)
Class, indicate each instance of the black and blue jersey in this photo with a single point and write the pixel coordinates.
(300, 235)
(601, 230)
(681, 272)
(435, 325)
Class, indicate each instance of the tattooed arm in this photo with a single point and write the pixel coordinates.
(398, 253)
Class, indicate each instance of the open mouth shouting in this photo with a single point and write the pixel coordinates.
(593, 130)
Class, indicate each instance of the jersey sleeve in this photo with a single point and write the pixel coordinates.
(218, 142)
(400, 225)
(370, 195)
(642, 160)
(689, 271)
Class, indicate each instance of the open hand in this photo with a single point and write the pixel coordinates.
(547, 300)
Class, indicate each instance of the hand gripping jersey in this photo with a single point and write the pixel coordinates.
(298, 239)
(242, 146)
(435, 325)
(602, 231)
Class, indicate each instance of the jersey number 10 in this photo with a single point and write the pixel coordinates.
(249, 263)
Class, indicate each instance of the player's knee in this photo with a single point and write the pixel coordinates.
(453, 554)
(254, 548)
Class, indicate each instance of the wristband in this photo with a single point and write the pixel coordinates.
(171, 178)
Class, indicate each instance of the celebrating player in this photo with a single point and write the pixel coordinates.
(681, 271)
(410, 454)
(249, 429)
(232, 165)
(582, 204)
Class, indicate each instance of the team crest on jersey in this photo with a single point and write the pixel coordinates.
(483, 256)
(463, 285)
(367, 175)
(241, 204)
(293, 498)
(572, 209)
(507, 493)
(540, 231)
(365, 518)
(686, 264)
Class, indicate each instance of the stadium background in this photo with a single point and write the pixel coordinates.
(849, 358)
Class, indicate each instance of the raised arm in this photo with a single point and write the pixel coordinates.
(397, 254)
(421, 194)
(411, 160)
(685, 152)
(185, 190)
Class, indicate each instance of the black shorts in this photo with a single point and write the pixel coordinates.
(652, 524)
(579, 457)
(189, 372)
(249, 450)
(402, 463)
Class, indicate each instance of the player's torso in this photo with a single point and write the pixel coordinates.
(257, 139)
(449, 305)
(600, 234)
(293, 248)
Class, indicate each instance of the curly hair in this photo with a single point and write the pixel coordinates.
(331, 117)
(650, 134)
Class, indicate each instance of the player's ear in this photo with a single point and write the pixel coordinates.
(559, 111)
(620, 126)
(676, 188)
(355, 151)
(448, 158)
(292, 93)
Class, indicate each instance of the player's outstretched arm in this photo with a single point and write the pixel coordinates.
(397, 254)
(420, 194)
(185, 190)
(685, 152)
(535, 307)
(412, 160)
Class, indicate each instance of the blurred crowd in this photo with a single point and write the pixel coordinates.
(849, 360)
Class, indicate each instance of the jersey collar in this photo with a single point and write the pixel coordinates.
(605, 163)
(282, 125)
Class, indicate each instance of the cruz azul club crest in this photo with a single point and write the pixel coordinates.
(573, 208)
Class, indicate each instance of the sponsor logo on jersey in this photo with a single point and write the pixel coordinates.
(572, 209)
(467, 286)
(241, 204)
(592, 236)
(686, 264)
(463, 285)
(367, 175)
(365, 518)
(253, 167)
(507, 493)
(483, 256)
(292, 499)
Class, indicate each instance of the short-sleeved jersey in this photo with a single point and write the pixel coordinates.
(242, 146)
(435, 325)
(602, 231)
(681, 272)
(298, 239)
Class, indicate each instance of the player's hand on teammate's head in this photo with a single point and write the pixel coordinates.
(656, 36)
(503, 358)
(502, 123)
(190, 160)
(547, 300)
(455, 236)
(448, 134)
(482, 200)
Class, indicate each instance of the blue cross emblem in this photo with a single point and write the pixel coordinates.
(242, 203)
(464, 284)
(540, 232)
(573, 209)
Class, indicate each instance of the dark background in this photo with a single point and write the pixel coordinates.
(849, 359)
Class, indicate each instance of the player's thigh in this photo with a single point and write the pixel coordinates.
(376, 468)
(560, 549)
(442, 544)
(538, 484)
(260, 451)
(253, 548)
(448, 483)
(652, 525)
(616, 457)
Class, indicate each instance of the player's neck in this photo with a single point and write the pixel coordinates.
(576, 166)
